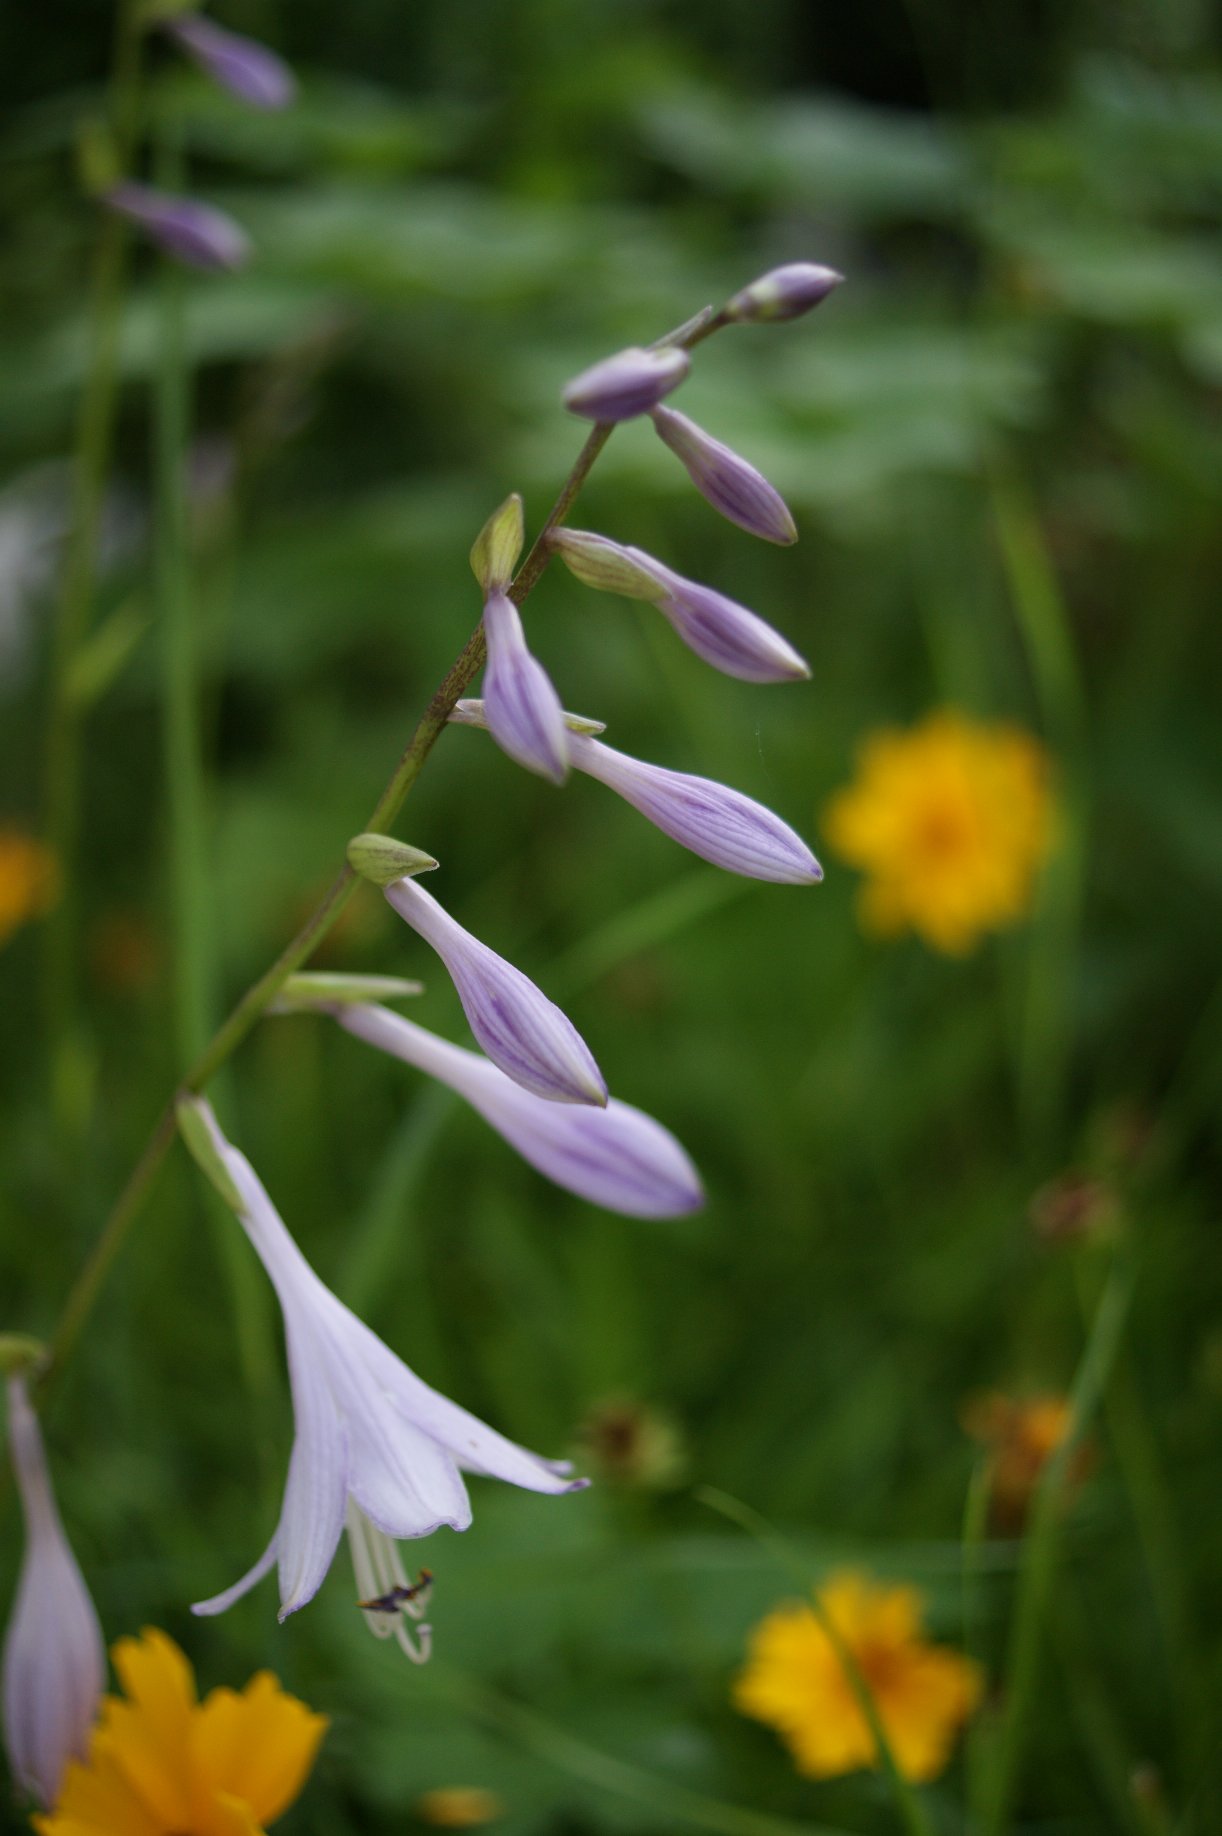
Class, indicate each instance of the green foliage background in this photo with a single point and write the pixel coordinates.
(1003, 447)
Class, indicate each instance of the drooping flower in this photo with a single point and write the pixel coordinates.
(722, 476)
(784, 293)
(519, 1028)
(54, 1659)
(616, 1157)
(630, 383)
(795, 1681)
(368, 1432)
(192, 232)
(524, 713)
(29, 880)
(243, 66)
(720, 631)
(718, 824)
(951, 821)
(162, 1762)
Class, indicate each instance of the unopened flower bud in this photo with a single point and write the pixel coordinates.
(784, 293)
(381, 859)
(191, 232)
(727, 481)
(494, 554)
(519, 1028)
(523, 709)
(241, 65)
(628, 384)
(726, 635)
(617, 1157)
(54, 1666)
(719, 824)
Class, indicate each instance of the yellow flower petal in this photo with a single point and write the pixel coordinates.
(96, 1799)
(258, 1746)
(148, 1737)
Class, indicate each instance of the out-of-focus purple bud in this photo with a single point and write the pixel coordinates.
(630, 383)
(519, 1028)
(524, 713)
(719, 824)
(191, 232)
(731, 485)
(784, 293)
(617, 1157)
(54, 1658)
(241, 65)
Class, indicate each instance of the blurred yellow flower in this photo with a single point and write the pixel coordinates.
(29, 880)
(163, 1763)
(951, 821)
(795, 1681)
(458, 1807)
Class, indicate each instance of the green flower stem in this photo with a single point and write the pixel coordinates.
(669, 1803)
(910, 1810)
(229, 1035)
(1042, 1544)
(91, 466)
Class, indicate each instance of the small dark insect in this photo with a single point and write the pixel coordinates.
(399, 1597)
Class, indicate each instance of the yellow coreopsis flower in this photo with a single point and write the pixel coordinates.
(29, 880)
(951, 821)
(794, 1680)
(162, 1763)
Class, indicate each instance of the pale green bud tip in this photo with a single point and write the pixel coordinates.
(200, 1143)
(784, 293)
(19, 1352)
(312, 989)
(470, 713)
(384, 860)
(495, 552)
(598, 562)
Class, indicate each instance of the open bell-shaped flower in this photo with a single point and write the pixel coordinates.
(54, 1659)
(524, 713)
(243, 66)
(617, 1157)
(369, 1434)
(729, 483)
(519, 1028)
(726, 635)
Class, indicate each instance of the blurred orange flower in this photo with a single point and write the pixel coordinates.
(794, 1680)
(458, 1807)
(951, 821)
(1021, 1437)
(29, 880)
(163, 1762)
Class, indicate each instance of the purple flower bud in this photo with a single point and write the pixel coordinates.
(727, 635)
(731, 485)
(616, 1157)
(718, 629)
(54, 1658)
(191, 232)
(241, 65)
(784, 293)
(630, 383)
(719, 824)
(519, 1028)
(524, 713)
